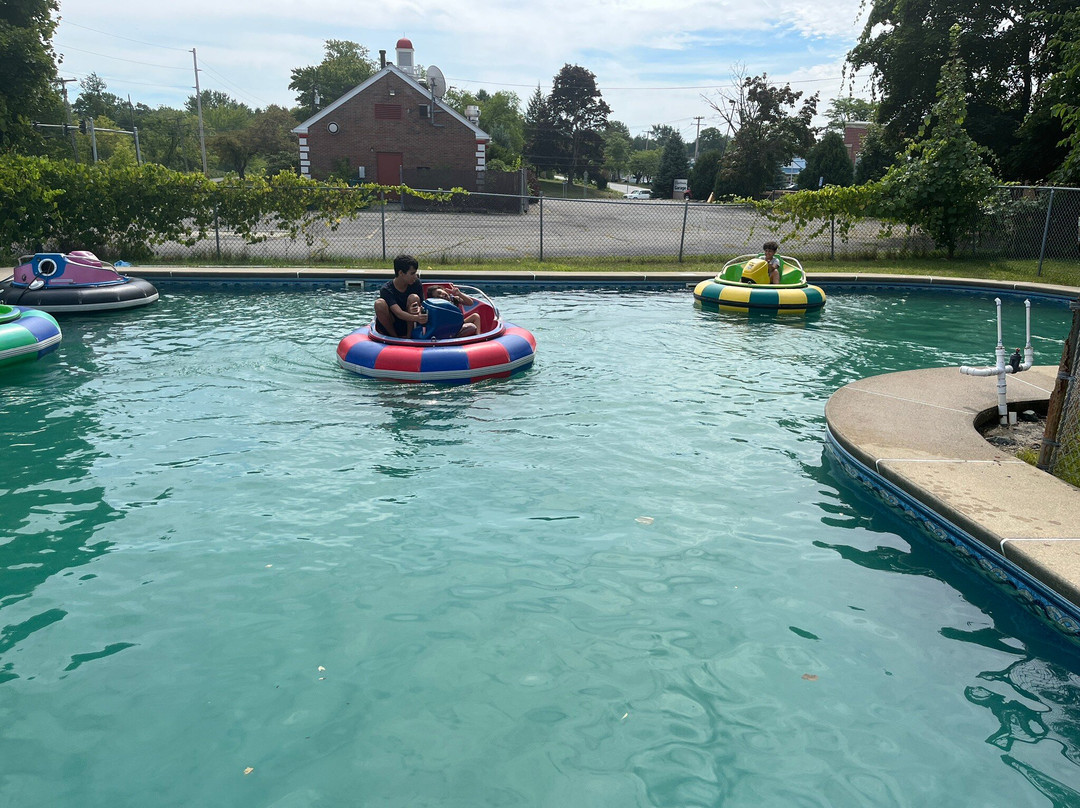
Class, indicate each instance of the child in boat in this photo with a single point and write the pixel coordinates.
(454, 295)
(770, 248)
(398, 308)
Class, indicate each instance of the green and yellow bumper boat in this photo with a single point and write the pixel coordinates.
(743, 285)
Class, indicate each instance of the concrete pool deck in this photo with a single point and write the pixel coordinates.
(913, 435)
(918, 432)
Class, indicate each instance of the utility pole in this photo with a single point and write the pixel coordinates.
(697, 137)
(135, 132)
(68, 130)
(198, 106)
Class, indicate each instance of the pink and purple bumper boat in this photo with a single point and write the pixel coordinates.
(66, 283)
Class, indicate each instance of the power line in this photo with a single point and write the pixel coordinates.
(117, 36)
(119, 59)
(235, 88)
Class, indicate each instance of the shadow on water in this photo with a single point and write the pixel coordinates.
(52, 510)
(1036, 698)
(421, 419)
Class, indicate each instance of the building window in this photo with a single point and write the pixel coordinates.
(388, 112)
(332, 128)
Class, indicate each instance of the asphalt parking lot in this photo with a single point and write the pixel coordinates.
(557, 227)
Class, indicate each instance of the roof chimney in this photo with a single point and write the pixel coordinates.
(382, 59)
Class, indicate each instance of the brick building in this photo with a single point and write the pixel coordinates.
(389, 124)
(854, 135)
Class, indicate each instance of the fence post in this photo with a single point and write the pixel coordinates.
(682, 238)
(832, 237)
(382, 214)
(541, 226)
(1046, 231)
(217, 231)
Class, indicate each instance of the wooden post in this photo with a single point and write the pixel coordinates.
(1061, 388)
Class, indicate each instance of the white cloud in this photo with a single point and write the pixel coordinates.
(249, 48)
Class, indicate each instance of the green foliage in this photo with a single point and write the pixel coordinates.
(843, 110)
(27, 65)
(500, 117)
(616, 151)
(645, 164)
(95, 101)
(942, 181)
(810, 213)
(124, 210)
(703, 174)
(577, 115)
(827, 162)
(344, 65)
(1067, 89)
(1008, 47)
(711, 139)
(875, 157)
(673, 166)
(770, 133)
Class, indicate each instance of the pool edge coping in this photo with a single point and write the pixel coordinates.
(1011, 518)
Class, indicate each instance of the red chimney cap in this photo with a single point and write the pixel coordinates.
(404, 43)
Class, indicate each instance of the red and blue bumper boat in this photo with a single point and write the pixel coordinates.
(434, 353)
(66, 283)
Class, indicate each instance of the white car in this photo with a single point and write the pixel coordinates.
(638, 193)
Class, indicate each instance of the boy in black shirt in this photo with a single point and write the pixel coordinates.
(398, 308)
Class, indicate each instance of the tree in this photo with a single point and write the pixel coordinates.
(644, 164)
(942, 179)
(1006, 45)
(828, 163)
(711, 139)
(660, 134)
(703, 174)
(579, 114)
(875, 157)
(94, 101)
(842, 110)
(543, 146)
(500, 117)
(767, 136)
(344, 65)
(673, 166)
(1067, 89)
(27, 66)
(616, 151)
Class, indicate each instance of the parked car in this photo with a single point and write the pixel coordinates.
(638, 193)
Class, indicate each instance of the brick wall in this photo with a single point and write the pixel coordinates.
(424, 142)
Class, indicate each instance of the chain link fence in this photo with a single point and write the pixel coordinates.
(1059, 453)
(1037, 224)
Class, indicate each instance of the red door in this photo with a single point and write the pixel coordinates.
(388, 168)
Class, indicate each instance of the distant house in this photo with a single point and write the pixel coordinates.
(391, 127)
(792, 170)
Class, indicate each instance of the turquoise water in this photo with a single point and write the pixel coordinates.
(628, 577)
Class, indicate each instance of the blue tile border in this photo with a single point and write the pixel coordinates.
(365, 280)
(1028, 591)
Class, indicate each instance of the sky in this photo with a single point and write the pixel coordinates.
(655, 61)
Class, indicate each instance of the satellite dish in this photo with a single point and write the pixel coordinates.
(436, 81)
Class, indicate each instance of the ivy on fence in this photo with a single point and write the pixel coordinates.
(127, 210)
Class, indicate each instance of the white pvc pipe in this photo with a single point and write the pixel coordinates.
(1000, 368)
